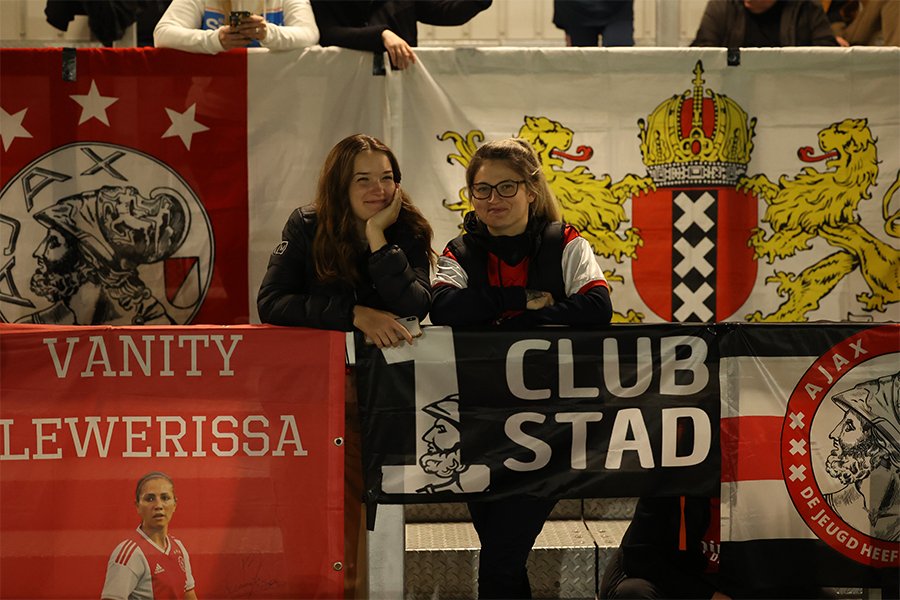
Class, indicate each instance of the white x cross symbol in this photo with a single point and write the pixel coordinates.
(798, 447)
(798, 473)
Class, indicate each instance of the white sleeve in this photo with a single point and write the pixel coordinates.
(580, 266)
(122, 579)
(299, 29)
(189, 581)
(180, 28)
(450, 272)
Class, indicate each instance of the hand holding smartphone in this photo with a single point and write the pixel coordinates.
(411, 324)
(236, 18)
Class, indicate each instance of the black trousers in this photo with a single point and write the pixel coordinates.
(507, 530)
(616, 585)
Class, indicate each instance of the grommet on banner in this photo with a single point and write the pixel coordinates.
(69, 70)
(338, 441)
(338, 566)
(734, 57)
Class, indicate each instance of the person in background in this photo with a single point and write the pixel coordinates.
(584, 21)
(147, 20)
(356, 259)
(864, 22)
(108, 20)
(204, 26)
(388, 26)
(665, 552)
(764, 24)
(516, 264)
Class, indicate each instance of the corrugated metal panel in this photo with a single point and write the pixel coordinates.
(607, 534)
(563, 563)
(442, 559)
(439, 512)
(591, 509)
(609, 509)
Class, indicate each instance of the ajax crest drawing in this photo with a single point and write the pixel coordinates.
(840, 447)
(99, 234)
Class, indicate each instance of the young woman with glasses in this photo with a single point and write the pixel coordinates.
(516, 264)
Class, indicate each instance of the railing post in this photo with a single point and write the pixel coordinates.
(668, 24)
(387, 553)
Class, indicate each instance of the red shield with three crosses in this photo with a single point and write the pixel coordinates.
(695, 264)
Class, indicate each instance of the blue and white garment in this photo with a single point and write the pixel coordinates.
(193, 25)
(213, 18)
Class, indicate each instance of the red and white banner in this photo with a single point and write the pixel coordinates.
(124, 196)
(810, 455)
(243, 419)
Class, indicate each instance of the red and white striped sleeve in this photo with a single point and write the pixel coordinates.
(450, 272)
(124, 571)
(580, 269)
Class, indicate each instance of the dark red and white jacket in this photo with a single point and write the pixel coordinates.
(481, 278)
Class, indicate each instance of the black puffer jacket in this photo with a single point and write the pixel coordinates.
(395, 279)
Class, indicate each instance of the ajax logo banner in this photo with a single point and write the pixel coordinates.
(100, 234)
(840, 447)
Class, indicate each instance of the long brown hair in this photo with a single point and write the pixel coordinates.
(519, 155)
(336, 248)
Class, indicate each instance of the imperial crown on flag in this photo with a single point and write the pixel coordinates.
(695, 149)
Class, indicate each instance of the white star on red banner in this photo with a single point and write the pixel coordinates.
(93, 105)
(11, 127)
(184, 125)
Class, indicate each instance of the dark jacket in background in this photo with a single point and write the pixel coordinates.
(591, 13)
(357, 24)
(107, 19)
(803, 23)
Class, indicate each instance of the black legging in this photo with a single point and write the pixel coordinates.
(507, 530)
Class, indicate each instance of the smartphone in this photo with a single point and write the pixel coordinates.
(410, 323)
(237, 17)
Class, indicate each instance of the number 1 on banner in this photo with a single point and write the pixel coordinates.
(437, 422)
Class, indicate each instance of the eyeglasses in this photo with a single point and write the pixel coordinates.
(505, 189)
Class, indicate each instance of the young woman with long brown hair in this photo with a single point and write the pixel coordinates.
(359, 257)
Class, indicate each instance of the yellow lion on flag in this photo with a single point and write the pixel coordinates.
(593, 206)
(822, 204)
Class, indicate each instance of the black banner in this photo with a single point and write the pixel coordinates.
(550, 412)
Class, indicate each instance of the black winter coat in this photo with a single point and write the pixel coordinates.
(395, 279)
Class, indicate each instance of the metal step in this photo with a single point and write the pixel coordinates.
(589, 509)
(568, 559)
